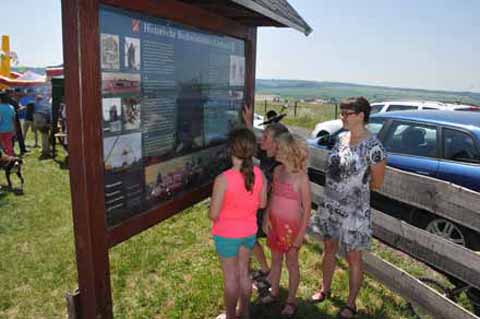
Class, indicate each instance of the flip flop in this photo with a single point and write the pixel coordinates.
(292, 306)
(352, 310)
(320, 296)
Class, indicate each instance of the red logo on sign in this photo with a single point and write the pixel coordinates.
(136, 25)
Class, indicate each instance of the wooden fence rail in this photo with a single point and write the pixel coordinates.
(413, 290)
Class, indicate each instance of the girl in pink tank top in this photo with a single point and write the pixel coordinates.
(237, 195)
(288, 214)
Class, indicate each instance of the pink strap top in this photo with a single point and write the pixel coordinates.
(285, 201)
(238, 215)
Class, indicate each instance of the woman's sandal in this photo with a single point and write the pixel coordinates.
(320, 296)
(290, 314)
(267, 299)
(352, 310)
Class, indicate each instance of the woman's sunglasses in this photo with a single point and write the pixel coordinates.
(347, 113)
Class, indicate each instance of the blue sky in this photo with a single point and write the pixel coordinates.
(430, 44)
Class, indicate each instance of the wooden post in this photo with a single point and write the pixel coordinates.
(251, 60)
(295, 109)
(82, 95)
(73, 305)
(265, 107)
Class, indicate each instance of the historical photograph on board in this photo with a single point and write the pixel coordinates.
(132, 54)
(112, 114)
(131, 113)
(120, 83)
(110, 51)
(164, 180)
(237, 70)
(122, 151)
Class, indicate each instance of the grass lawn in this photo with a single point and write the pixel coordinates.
(169, 271)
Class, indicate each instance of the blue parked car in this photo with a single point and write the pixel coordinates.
(438, 144)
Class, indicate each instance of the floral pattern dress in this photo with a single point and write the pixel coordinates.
(344, 213)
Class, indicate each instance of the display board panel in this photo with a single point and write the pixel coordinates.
(170, 96)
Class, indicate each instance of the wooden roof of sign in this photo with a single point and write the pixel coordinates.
(276, 13)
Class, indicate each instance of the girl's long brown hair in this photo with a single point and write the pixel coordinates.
(243, 145)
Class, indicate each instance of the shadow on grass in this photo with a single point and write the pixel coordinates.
(62, 164)
(305, 309)
(338, 302)
(4, 189)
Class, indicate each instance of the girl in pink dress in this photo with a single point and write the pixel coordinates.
(288, 214)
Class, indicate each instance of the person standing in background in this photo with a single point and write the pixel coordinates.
(7, 124)
(42, 118)
(18, 128)
(28, 122)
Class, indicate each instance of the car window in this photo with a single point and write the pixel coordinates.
(412, 139)
(459, 146)
(375, 125)
(399, 107)
(430, 108)
(376, 108)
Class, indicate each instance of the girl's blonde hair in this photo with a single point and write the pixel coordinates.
(295, 150)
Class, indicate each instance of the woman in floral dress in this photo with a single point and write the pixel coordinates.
(343, 220)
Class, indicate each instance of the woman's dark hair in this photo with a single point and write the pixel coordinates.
(243, 145)
(358, 105)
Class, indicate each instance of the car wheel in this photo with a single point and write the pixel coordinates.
(447, 230)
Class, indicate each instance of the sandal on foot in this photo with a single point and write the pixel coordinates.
(293, 308)
(267, 299)
(224, 316)
(320, 296)
(352, 310)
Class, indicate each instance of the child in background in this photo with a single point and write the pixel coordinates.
(237, 195)
(287, 218)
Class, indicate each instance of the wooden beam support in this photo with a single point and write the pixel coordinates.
(82, 95)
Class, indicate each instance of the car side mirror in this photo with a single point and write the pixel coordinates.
(327, 141)
(331, 142)
(323, 140)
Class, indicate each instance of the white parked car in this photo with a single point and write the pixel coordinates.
(392, 106)
(330, 127)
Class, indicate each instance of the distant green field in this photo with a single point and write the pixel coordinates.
(306, 115)
(330, 90)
